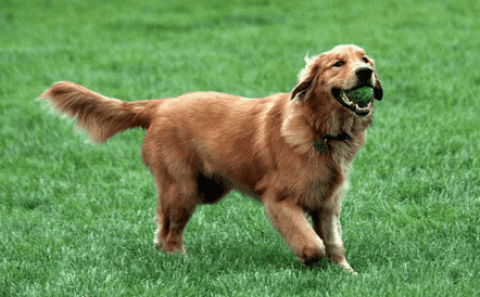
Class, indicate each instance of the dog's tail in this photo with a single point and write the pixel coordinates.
(101, 117)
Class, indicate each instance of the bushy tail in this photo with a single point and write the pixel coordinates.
(101, 117)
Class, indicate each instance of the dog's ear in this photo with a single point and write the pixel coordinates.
(305, 79)
(377, 89)
(301, 89)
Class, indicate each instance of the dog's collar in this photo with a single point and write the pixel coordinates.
(321, 145)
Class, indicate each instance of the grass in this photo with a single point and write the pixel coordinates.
(76, 219)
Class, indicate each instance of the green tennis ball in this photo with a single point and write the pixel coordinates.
(363, 94)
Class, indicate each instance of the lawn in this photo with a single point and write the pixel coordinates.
(77, 219)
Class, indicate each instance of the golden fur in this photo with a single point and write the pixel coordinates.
(292, 151)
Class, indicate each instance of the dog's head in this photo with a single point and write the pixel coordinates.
(335, 74)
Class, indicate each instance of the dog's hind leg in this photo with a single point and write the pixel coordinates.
(174, 209)
(175, 178)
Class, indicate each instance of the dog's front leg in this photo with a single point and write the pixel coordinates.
(326, 221)
(327, 225)
(289, 219)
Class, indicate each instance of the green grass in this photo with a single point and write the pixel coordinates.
(76, 219)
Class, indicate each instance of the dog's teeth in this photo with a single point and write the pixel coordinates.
(352, 105)
(346, 99)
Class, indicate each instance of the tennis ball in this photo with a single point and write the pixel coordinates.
(363, 94)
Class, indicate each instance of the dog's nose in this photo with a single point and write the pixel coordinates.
(364, 73)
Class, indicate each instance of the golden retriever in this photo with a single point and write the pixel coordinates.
(292, 151)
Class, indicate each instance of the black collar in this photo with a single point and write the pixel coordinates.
(321, 145)
(339, 137)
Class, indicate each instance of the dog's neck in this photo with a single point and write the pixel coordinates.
(321, 145)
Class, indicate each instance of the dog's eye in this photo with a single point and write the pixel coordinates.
(338, 64)
(365, 59)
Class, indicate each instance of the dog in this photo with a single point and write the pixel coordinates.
(291, 151)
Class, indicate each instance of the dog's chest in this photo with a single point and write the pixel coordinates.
(330, 173)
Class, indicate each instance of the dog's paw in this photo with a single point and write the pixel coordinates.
(316, 262)
(324, 262)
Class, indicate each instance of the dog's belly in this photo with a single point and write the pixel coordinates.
(211, 189)
(222, 172)
(214, 186)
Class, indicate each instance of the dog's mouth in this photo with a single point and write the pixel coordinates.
(347, 99)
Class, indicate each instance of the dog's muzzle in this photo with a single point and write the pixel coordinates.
(344, 97)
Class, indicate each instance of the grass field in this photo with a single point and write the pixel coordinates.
(76, 219)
